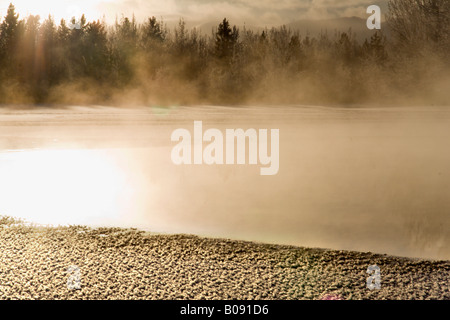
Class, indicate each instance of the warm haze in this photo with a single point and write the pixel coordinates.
(250, 12)
(123, 147)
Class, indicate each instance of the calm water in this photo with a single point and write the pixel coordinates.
(373, 179)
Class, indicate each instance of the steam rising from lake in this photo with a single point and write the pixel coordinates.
(372, 179)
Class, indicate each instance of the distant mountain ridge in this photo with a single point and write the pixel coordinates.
(330, 26)
(309, 27)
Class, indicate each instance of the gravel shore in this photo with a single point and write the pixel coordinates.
(127, 264)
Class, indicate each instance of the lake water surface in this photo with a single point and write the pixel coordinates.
(367, 179)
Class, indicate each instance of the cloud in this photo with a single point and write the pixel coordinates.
(263, 12)
(255, 12)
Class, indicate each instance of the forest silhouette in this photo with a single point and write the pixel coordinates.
(132, 63)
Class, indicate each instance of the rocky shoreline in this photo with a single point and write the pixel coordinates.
(112, 263)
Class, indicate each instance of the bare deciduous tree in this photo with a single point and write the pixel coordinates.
(420, 23)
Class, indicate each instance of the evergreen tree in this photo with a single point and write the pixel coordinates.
(153, 33)
(27, 50)
(9, 34)
(226, 39)
(47, 47)
(181, 38)
(376, 48)
(124, 46)
(96, 50)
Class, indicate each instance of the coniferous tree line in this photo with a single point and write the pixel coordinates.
(147, 63)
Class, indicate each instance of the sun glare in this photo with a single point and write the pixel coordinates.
(61, 9)
(61, 186)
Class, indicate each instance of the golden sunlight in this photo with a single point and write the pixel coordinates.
(61, 9)
(62, 186)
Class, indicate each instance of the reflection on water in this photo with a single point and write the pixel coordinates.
(61, 186)
(364, 179)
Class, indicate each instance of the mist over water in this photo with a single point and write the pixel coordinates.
(367, 179)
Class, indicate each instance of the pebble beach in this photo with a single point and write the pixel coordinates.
(36, 262)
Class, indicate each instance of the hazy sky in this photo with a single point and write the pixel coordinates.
(256, 12)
